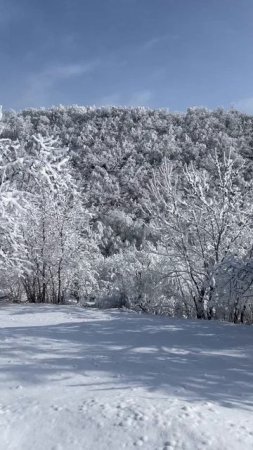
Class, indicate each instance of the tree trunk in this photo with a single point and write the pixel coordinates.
(199, 304)
(243, 314)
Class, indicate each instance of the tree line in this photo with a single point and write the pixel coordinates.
(128, 207)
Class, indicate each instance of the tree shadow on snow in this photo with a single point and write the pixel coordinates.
(189, 359)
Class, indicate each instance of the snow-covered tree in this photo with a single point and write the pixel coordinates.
(26, 170)
(61, 251)
(234, 290)
(202, 219)
(112, 154)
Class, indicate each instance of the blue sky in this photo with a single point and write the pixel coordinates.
(157, 53)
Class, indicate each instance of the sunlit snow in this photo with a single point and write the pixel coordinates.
(73, 379)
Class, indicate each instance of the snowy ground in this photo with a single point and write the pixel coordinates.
(72, 379)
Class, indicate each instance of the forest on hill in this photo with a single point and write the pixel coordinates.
(131, 207)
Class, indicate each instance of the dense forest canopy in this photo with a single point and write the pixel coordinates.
(129, 206)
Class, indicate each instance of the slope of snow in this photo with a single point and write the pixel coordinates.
(75, 379)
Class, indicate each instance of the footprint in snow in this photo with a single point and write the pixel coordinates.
(56, 408)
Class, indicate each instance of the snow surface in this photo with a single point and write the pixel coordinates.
(75, 379)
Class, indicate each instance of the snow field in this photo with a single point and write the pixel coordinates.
(75, 379)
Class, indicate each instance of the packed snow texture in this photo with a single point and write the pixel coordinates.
(75, 379)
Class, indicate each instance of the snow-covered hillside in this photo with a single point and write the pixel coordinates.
(72, 379)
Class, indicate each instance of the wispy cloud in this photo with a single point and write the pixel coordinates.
(245, 105)
(66, 71)
(52, 74)
(111, 100)
(41, 84)
(150, 44)
(138, 98)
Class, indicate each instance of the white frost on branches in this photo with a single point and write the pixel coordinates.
(202, 220)
(24, 172)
